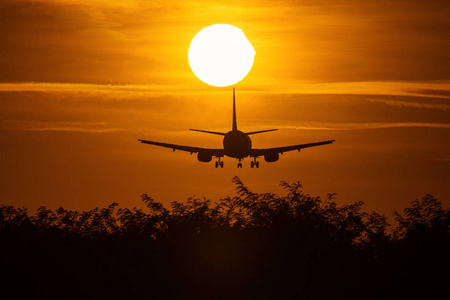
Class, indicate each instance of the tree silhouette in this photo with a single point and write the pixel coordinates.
(248, 246)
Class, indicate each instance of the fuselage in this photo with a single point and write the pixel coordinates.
(237, 144)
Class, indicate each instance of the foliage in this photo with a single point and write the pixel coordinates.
(248, 246)
(426, 214)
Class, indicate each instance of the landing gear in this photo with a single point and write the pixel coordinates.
(239, 163)
(254, 163)
(219, 163)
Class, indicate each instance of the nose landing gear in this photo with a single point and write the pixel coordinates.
(239, 164)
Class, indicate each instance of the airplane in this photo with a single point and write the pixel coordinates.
(236, 144)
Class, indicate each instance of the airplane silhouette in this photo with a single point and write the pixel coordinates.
(236, 144)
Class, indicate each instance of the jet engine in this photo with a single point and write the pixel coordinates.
(271, 157)
(204, 156)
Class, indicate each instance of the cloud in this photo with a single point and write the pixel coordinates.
(102, 108)
(87, 127)
(432, 92)
(419, 89)
(400, 103)
(147, 41)
(76, 87)
(66, 41)
(360, 126)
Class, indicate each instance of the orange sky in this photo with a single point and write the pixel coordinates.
(80, 83)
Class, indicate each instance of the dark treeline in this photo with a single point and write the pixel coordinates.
(252, 246)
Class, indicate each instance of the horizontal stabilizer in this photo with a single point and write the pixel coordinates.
(261, 131)
(211, 132)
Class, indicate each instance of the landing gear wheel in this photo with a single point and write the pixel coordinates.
(219, 163)
(254, 163)
(239, 165)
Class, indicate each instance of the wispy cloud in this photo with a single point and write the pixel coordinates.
(147, 41)
(334, 126)
(76, 87)
(400, 103)
(418, 89)
(87, 127)
(413, 88)
(427, 92)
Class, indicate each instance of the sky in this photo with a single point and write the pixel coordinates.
(81, 82)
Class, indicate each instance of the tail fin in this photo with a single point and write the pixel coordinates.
(234, 113)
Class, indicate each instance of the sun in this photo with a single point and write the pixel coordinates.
(221, 55)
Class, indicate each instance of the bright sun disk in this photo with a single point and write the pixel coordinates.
(221, 55)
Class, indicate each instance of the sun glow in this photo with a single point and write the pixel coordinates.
(221, 55)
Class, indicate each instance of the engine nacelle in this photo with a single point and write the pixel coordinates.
(204, 156)
(271, 157)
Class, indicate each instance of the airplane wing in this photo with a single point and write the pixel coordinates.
(261, 152)
(214, 152)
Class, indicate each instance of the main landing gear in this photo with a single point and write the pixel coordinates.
(219, 163)
(239, 163)
(254, 163)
